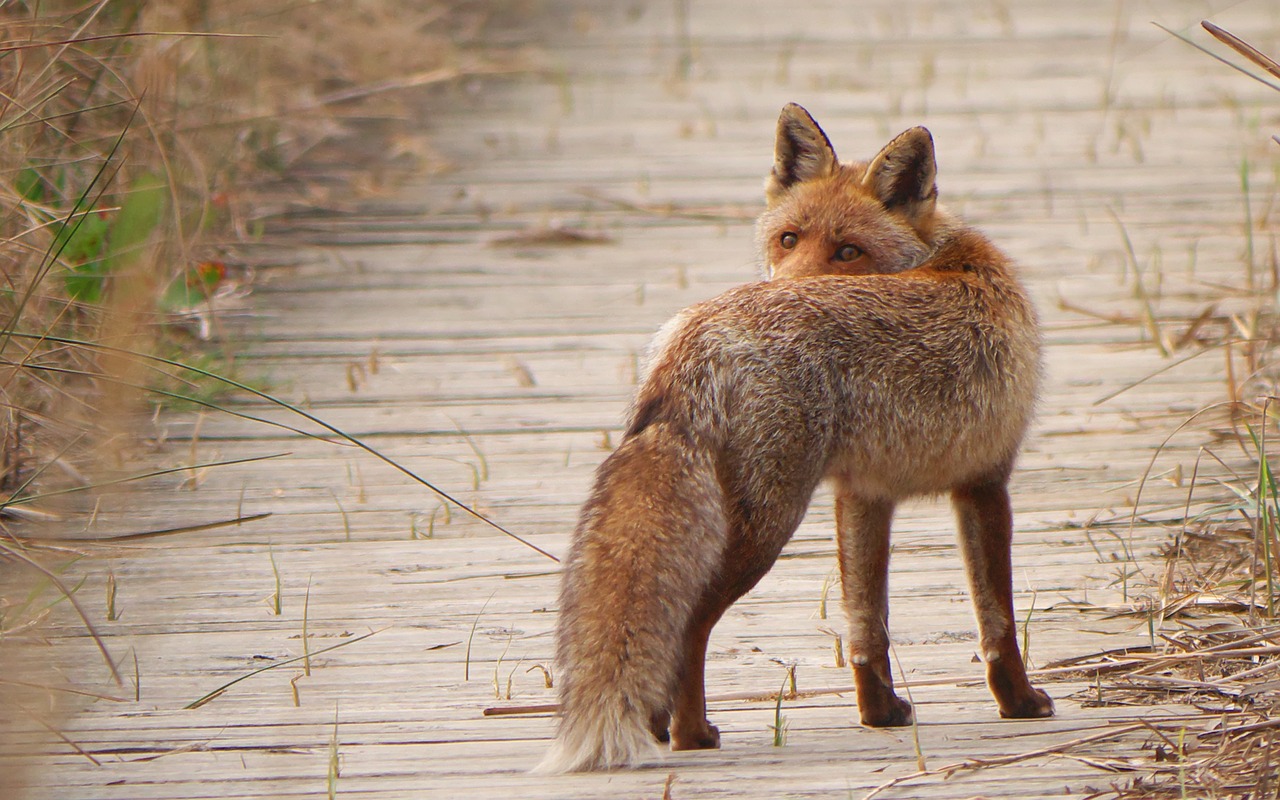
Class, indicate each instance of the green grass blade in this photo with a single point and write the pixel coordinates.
(79, 212)
(211, 695)
(154, 534)
(173, 396)
(305, 415)
(14, 501)
(70, 595)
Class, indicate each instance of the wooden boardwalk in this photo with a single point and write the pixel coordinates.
(436, 328)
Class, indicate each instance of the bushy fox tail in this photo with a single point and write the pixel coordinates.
(601, 742)
(649, 540)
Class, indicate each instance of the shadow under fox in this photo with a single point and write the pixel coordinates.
(892, 352)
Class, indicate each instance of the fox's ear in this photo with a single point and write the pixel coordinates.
(802, 152)
(904, 174)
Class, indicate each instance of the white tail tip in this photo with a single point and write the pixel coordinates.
(595, 745)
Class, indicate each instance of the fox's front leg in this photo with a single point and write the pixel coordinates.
(862, 527)
(986, 534)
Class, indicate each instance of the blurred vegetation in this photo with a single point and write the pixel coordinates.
(141, 145)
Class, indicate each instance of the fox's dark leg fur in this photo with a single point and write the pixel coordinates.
(660, 725)
(863, 535)
(986, 531)
(690, 729)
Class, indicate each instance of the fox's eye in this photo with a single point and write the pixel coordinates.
(788, 240)
(848, 253)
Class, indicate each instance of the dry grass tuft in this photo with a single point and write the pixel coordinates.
(1223, 660)
(1215, 613)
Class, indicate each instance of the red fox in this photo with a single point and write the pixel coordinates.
(893, 352)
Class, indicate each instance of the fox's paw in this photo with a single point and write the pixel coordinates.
(1032, 705)
(703, 737)
(891, 712)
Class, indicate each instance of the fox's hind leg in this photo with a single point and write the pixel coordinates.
(986, 533)
(689, 727)
(862, 528)
(742, 569)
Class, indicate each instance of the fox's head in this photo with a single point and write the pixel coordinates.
(828, 218)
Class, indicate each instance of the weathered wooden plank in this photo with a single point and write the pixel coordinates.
(1057, 124)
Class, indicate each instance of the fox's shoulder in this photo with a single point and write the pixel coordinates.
(966, 249)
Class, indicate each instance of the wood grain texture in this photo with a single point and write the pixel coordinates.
(501, 373)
